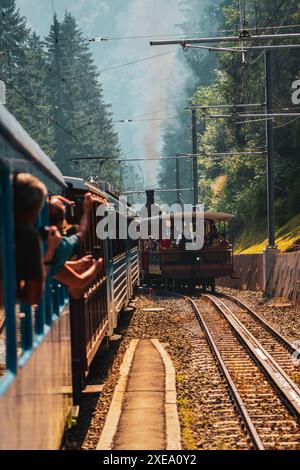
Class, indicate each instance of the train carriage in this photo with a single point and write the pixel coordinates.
(165, 258)
(46, 350)
(35, 381)
(95, 316)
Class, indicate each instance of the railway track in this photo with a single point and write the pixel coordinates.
(279, 347)
(261, 378)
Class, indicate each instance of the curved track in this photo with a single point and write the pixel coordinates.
(261, 385)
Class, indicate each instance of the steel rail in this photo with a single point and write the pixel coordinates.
(284, 341)
(282, 383)
(256, 440)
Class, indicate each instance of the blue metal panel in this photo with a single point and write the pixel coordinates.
(49, 303)
(8, 268)
(55, 297)
(26, 327)
(40, 315)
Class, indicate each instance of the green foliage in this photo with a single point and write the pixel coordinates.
(238, 184)
(54, 90)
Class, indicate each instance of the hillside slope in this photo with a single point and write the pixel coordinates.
(255, 240)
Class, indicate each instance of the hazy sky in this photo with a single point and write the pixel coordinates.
(134, 90)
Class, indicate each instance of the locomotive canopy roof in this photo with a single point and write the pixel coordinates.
(212, 216)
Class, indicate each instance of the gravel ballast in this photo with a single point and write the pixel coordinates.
(206, 413)
(279, 313)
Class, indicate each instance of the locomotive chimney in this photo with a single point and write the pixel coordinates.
(150, 198)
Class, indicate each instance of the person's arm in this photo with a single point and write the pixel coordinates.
(85, 219)
(53, 242)
(30, 269)
(71, 278)
(81, 265)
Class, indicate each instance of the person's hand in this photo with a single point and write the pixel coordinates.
(87, 259)
(99, 262)
(62, 200)
(53, 242)
(82, 265)
(88, 202)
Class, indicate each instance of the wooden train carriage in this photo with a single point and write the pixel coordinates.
(95, 316)
(164, 258)
(35, 374)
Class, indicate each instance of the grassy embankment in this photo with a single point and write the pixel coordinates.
(255, 240)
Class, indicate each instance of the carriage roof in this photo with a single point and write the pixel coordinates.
(21, 153)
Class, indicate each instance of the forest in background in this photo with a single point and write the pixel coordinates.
(54, 90)
(237, 184)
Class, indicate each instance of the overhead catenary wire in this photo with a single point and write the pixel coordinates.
(48, 118)
(131, 120)
(115, 67)
(287, 123)
(99, 39)
(143, 59)
(259, 34)
(125, 121)
(284, 19)
(257, 115)
(214, 156)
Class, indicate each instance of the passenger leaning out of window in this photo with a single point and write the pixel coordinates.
(29, 197)
(77, 275)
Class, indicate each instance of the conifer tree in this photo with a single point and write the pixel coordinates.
(14, 35)
(77, 103)
(23, 69)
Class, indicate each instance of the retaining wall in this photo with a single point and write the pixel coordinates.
(284, 280)
(248, 273)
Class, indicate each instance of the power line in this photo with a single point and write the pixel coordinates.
(120, 38)
(264, 28)
(122, 121)
(137, 61)
(259, 36)
(268, 20)
(25, 98)
(130, 120)
(287, 123)
(261, 54)
(150, 114)
(114, 67)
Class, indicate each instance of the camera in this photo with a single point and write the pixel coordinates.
(44, 233)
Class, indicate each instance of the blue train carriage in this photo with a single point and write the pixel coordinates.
(35, 343)
(94, 317)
